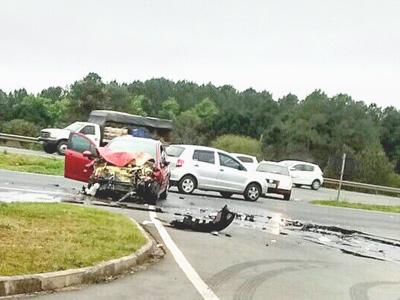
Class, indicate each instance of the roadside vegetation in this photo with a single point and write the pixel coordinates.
(31, 164)
(39, 237)
(375, 207)
(317, 128)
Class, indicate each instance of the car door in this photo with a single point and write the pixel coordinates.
(299, 175)
(205, 168)
(90, 132)
(232, 175)
(76, 165)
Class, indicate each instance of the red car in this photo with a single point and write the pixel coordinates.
(126, 166)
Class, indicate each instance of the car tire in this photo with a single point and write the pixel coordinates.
(62, 147)
(151, 195)
(50, 149)
(226, 194)
(253, 192)
(316, 184)
(286, 196)
(187, 184)
(164, 195)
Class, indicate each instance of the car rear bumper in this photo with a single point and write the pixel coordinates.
(272, 190)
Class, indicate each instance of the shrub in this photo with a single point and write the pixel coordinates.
(20, 127)
(238, 144)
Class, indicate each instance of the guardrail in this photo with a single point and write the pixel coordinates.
(19, 138)
(363, 186)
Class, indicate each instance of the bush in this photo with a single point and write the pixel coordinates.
(20, 127)
(374, 167)
(238, 144)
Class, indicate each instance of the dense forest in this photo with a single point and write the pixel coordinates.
(317, 129)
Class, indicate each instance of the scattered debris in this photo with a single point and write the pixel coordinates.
(181, 197)
(222, 220)
(146, 222)
(91, 190)
(275, 224)
(324, 239)
(203, 210)
(249, 218)
(228, 235)
(348, 241)
(215, 233)
(273, 241)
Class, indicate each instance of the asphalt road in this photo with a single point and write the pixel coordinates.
(29, 152)
(251, 263)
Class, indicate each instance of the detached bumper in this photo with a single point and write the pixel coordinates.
(48, 141)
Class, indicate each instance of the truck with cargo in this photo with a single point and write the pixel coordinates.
(104, 125)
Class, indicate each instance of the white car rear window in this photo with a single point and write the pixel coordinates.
(174, 151)
(270, 168)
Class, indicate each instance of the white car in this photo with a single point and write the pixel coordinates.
(304, 173)
(250, 162)
(196, 167)
(279, 176)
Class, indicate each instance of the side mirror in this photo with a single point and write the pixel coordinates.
(87, 154)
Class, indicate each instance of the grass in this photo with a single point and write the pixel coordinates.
(43, 237)
(31, 164)
(375, 207)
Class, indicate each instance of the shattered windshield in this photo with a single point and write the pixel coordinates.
(133, 145)
(270, 168)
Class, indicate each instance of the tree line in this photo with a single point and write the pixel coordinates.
(317, 128)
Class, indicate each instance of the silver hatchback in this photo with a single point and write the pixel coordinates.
(204, 168)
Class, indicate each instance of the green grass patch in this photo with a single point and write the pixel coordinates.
(375, 207)
(31, 164)
(46, 237)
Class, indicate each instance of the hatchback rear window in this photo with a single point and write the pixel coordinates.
(245, 159)
(272, 168)
(175, 151)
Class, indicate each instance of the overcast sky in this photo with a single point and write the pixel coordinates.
(292, 46)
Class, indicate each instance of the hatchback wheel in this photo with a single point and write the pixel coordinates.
(316, 184)
(187, 184)
(286, 196)
(252, 192)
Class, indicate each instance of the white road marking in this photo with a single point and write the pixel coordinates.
(33, 191)
(204, 290)
(29, 173)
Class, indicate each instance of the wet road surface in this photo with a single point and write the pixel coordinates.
(249, 263)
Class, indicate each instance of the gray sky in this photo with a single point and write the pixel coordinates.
(348, 46)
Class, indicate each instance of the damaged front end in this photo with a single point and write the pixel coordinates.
(138, 177)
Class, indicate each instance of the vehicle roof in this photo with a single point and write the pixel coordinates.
(201, 148)
(102, 116)
(294, 162)
(275, 163)
(241, 154)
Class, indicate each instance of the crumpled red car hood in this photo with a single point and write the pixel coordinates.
(121, 159)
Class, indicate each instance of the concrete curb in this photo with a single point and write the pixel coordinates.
(33, 283)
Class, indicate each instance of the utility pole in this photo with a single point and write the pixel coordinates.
(341, 176)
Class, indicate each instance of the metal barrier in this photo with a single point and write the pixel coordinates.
(19, 138)
(365, 186)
